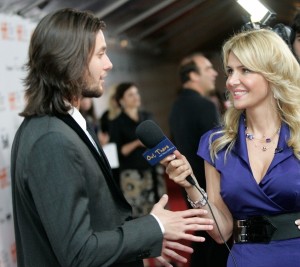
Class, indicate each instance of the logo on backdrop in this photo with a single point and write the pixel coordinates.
(3, 179)
(7, 31)
(13, 251)
(15, 100)
(14, 31)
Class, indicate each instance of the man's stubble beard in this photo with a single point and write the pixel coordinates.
(90, 89)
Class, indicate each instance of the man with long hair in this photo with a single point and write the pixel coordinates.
(68, 211)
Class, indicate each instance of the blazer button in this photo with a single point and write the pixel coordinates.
(143, 255)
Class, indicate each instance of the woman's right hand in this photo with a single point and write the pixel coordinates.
(178, 168)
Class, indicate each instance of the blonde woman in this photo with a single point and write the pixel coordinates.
(252, 164)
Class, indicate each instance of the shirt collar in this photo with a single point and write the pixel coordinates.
(76, 115)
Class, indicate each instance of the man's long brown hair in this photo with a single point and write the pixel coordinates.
(59, 53)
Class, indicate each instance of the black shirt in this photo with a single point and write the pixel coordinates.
(122, 132)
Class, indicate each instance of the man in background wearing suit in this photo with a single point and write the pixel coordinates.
(296, 35)
(68, 211)
(191, 116)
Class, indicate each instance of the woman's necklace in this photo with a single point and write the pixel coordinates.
(264, 140)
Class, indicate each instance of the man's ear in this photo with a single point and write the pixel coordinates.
(194, 76)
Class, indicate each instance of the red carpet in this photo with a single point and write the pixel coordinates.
(177, 202)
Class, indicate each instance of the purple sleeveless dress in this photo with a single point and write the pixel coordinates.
(278, 192)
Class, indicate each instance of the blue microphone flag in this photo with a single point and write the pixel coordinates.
(159, 152)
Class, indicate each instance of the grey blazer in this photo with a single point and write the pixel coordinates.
(68, 210)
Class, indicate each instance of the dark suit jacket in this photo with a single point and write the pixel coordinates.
(68, 211)
(191, 116)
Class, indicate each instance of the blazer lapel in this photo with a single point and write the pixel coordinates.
(102, 154)
(101, 158)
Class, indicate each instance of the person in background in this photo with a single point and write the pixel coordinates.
(252, 162)
(193, 114)
(141, 183)
(68, 211)
(296, 36)
(87, 111)
(112, 112)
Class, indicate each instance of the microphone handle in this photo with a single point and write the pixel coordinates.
(191, 180)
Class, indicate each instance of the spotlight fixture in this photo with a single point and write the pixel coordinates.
(259, 14)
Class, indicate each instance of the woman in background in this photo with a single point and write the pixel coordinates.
(112, 112)
(138, 180)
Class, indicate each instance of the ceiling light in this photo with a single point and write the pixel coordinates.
(124, 43)
(258, 12)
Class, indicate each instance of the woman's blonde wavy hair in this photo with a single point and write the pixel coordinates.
(264, 52)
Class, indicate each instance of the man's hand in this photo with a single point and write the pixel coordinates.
(169, 253)
(179, 224)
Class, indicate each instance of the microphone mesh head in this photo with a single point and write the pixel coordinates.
(149, 133)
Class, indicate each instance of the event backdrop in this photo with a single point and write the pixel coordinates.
(15, 33)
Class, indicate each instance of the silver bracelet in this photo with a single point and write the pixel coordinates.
(201, 202)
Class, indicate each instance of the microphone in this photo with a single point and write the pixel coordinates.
(159, 146)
